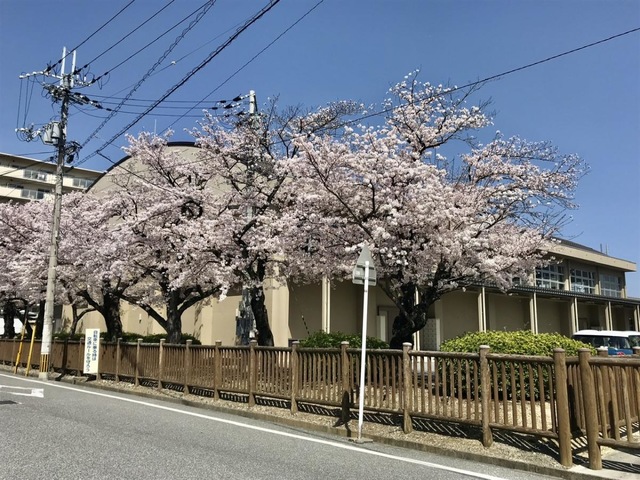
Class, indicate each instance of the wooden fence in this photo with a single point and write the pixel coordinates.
(551, 397)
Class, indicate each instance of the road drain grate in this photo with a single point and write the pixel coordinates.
(8, 402)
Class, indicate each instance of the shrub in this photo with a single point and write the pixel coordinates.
(155, 338)
(522, 342)
(513, 343)
(128, 337)
(67, 336)
(334, 339)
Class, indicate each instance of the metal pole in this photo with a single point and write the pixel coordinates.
(363, 353)
(47, 329)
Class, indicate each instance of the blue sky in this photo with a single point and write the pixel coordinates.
(587, 102)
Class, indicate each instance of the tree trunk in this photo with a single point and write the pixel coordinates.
(25, 321)
(10, 312)
(109, 309)
(413, 314)
(264, 336)
(111, 316)
(40, 320)
(75, 320)
(174, 317)
(403, 329)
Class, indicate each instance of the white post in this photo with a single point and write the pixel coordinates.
(363, 353)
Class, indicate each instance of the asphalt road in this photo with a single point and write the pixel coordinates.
(51, 430)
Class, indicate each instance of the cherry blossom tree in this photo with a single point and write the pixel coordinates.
(82, 253)
(23, 256)
(88, 260)
(170, 233)
(433, 225)
(244, 159)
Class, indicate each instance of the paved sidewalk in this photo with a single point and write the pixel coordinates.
(617, 464)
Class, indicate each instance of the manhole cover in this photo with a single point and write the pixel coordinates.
(8, 402)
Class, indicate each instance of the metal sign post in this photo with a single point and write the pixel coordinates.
(364, 273)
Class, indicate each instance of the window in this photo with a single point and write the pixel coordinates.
(35, 175)
(81, 182)
(38, 194)
(610, 285)
(583, 281)
(551, 276)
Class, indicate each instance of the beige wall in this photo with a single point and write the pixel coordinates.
(506, 312)
(215, 320)
(305, 309)
(277, 303)
(553, 316)
(458, 313)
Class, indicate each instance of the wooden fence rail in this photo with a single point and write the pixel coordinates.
(553, 397)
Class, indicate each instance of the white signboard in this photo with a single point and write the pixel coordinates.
(91, 350)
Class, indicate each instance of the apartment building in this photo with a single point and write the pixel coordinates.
(23, 179)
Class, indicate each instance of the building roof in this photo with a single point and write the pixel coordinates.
(568, 249)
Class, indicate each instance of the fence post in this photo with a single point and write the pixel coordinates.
(54, 352)
(345, 367)
(187, 366)
(101, 342)
(590, 409)
(407, 426)
(65, 356)
(160, 363)
(118, 354)
(562, 407)
(217, 371)
(485, 396)
(81, 358)
(293, 375)
(606, 422)
(13, 351)
(136, 380)
(253, 374)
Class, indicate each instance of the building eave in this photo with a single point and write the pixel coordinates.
(588, 255)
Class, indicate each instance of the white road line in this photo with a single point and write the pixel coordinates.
(268, 430)
(33, 392)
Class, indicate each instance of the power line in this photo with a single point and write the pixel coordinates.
(203, 10)
(224, 82)
(204, 63)
(49, 68)
(175, 62)
(127, 36)
(108, 72)
(247, 63)
(492, 77)
(497, 76)
(398, 107)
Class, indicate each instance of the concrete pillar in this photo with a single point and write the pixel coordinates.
(533, 312)
(482, 311)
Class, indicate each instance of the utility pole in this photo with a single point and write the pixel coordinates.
(54, 134)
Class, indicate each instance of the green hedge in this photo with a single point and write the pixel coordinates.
(522, 342)
(511, 343)
(128, 337)
(334, 339)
